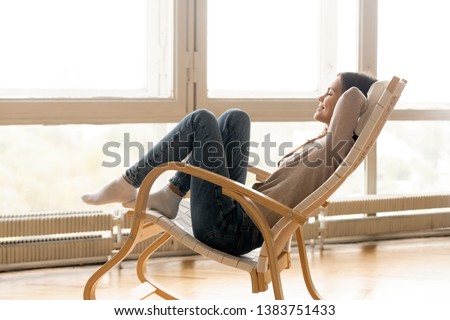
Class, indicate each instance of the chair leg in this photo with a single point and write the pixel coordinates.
(91, 285)
(305, 266)
(141, 268)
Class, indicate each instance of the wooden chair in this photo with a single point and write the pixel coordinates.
(265, 264)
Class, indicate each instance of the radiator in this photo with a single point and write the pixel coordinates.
(385, 203)
(369, 226)
(385, 216)
(48, 239)
(53, 223)
(55, 238)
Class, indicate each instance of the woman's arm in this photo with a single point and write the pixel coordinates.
(346, 114)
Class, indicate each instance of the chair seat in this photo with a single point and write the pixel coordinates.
(181, 229)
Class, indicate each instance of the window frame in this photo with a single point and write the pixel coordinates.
(190, 92)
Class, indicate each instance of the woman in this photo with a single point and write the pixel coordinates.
(221, 145)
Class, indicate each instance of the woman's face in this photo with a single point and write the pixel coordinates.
(328, 101)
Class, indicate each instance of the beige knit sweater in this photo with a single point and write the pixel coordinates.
(304, 171)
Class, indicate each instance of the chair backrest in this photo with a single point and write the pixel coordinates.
(373, 95)
(369, 128)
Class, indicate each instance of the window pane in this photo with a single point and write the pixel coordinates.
(412, 45)
(278, 49)
(414, 157)
(262, 48)
(86, 48)
(47, 168)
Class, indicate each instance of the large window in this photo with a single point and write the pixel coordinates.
(155, 60)
(147, 63)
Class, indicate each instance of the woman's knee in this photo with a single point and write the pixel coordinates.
(237, 117)
(204, 115)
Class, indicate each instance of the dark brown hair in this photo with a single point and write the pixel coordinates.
(362, 81)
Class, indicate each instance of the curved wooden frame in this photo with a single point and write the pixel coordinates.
(272, 258)
(142, 230)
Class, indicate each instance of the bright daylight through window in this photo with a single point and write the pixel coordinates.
(417, 51)
(85, 49)
(262, 49)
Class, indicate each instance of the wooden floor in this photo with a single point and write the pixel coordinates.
(397, 269)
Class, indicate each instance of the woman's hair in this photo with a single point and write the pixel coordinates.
(362, 81)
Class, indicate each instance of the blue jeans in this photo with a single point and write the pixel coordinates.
(220, 145)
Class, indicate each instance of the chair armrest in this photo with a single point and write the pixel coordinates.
(225, 183)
